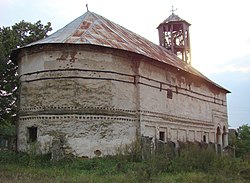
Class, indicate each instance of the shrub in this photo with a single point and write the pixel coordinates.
(193, 158)
(129, 152)
(193, 164)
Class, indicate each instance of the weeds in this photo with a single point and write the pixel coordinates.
(192, 165)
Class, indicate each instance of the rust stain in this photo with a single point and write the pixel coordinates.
(73, 56)
(85, 25)
(64, 56)
(78, 33)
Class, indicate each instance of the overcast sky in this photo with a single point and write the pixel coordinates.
(220, 34)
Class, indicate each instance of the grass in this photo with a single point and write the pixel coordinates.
(193, 165)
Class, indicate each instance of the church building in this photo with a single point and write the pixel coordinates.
(94, 86)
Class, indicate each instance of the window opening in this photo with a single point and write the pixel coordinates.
(204, 138)
(218, 136)
(32, 134)
(169, 93)
(162, 136)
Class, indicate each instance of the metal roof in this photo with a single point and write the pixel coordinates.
(174, 18)
(91, 28)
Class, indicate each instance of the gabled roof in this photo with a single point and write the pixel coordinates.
(93, 29)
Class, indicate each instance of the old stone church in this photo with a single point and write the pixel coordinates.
(94, 86)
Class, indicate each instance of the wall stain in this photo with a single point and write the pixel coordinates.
(66, 54)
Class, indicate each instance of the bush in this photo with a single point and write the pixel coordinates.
(193, 158)
(129, 152)
(193, 164)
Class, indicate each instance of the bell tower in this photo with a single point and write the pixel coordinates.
(174, 35)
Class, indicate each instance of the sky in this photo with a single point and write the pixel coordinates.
(219, 33)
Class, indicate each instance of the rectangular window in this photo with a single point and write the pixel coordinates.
(162, 136)
(204, 138)
(32, 134)
(169, 93)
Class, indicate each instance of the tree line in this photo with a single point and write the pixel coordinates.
(13, 37)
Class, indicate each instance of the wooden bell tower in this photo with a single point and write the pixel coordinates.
(174, 35)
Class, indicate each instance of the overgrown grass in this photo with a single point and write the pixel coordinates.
(192, 165)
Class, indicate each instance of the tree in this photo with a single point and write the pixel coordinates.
(13, 37)
(243, 141)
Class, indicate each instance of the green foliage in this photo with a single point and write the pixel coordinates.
(129, 152)
(232, 139)
(7, 129)
(193, 158)
(26, 32)
(243, 141)
(220, 169)
(18, 35)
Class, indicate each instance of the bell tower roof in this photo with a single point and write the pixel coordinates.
(174, 18)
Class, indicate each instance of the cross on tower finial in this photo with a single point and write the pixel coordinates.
(87, 7)
(173, 10)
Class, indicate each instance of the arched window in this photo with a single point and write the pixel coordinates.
(218, 135)
(218, 140)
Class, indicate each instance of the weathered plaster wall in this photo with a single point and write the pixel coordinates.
(85, 99)
(94, 100)
(192, 114)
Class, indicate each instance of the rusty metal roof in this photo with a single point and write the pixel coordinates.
(91, 28)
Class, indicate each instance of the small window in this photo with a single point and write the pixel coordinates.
(32, 134)
(204, 138)
(162, 136)
(169, 93)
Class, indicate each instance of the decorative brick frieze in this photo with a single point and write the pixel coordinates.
(77, 117)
